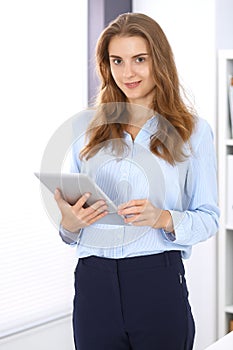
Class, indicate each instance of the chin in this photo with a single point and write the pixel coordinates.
(133, 97)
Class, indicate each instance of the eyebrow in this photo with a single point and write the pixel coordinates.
(139, 54)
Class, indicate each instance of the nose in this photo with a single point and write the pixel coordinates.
(128, 70)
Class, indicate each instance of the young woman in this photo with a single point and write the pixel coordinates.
(156, 160)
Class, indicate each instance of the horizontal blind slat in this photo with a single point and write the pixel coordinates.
(36, 274)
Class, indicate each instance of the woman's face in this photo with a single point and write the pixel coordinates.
(131, 68)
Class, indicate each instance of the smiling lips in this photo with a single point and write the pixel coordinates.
(133, 84)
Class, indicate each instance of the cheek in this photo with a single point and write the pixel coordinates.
(115, 74)
(142, 72)
(149, 75)
(118, 79)
(146, 72)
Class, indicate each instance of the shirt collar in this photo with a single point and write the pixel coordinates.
(151, 125)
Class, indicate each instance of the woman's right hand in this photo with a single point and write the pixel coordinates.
(75, 217)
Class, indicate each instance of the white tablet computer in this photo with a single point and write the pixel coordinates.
(74, 185)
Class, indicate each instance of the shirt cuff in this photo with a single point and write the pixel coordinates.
(179, 234)
(171, 236)
(71, 238)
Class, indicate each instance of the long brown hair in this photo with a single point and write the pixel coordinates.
(175, 120)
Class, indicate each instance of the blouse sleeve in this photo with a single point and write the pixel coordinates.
(201, 219)
(69, 237)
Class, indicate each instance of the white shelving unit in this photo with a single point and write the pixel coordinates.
(225, 235)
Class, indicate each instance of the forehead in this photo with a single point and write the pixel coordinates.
(127, 46)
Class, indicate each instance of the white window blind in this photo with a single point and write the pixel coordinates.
(43, 83)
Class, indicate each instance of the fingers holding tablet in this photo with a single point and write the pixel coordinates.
(75, 217)
(78, 191)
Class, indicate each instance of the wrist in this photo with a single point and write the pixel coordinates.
(70, 229)
(166, 221)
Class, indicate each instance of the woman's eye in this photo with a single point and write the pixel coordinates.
(140, 59)
(117, 61)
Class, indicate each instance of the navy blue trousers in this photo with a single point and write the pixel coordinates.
(137, 303)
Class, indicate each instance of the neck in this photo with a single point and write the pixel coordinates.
(138, 115)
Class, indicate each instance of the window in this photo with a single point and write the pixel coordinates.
(43, 83)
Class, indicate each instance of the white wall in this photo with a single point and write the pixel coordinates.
(43, 65)
(190, 28)
(51, 336)
(224, 24)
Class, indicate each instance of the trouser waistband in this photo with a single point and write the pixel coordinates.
(138, 262)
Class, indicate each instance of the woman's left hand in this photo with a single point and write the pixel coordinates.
(140, 212)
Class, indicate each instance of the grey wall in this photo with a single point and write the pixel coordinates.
(100, 13)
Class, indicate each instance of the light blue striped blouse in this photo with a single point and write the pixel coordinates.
(188, 190)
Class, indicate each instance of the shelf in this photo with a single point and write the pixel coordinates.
(229, 142)
(229, 309)
(225, 236)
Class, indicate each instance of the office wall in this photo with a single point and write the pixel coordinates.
(55, 335)
(42, 85)
(190, 28)
(224, 24)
